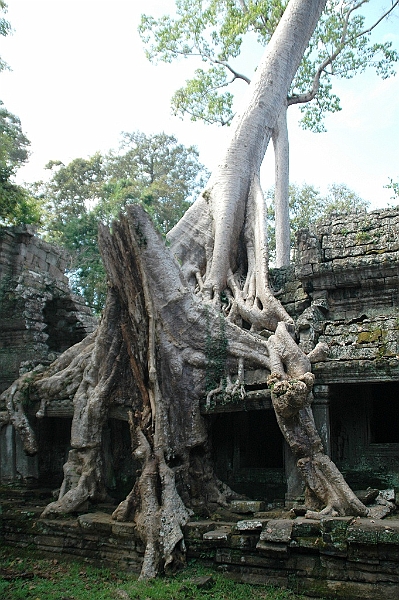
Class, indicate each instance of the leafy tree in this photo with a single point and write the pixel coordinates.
(308, 206)
(214, 31)
(16, 204)
(157, 171)
(70, 196)
(154, 171)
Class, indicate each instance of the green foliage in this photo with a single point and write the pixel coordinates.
(13, 143)
(156, 171)
(206, 84)
(5, 29)
(26, 575)
(69, 196)
(341, 199)
(394, 186)
(340, 47)
(213, 31)
(308, 206)
(17, 205)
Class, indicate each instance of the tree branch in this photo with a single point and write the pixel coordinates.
(311, 94)
(232, 71)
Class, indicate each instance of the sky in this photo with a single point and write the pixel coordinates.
(80, 77)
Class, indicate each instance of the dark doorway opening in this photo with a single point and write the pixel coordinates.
(384, 414)
(54, 434)
(248, 453)
(365, 433)
(62, 327)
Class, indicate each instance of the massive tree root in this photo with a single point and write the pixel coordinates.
(325, 488)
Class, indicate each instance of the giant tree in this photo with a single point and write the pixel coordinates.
(215, 31)
(173, 322)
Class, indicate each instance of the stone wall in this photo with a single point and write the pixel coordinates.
(345, 291)
(40, 318)
(341, 557)
(349, 269)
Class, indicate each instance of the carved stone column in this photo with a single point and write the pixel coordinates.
(321, 413)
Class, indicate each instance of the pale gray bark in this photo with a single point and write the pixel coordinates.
(213, 224)
(281, 189)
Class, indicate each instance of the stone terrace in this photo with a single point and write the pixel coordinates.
(334, 557)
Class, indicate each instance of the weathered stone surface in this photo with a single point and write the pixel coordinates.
(250, 525)
(218, 536)
(99, 522)
(275, 537)
(303, 554)
(277, 530)
(35, 300)
(247, 506)
(334, 538)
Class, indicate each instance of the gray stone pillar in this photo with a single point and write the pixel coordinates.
(7, 453)
(15, 465)
(295, 485)
(321, 413)
(26, 466)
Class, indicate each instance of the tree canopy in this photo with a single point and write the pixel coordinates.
(153, 170)
(215, 32)
(17, 205)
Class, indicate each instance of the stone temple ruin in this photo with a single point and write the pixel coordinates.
(40, 318)
(343, 290)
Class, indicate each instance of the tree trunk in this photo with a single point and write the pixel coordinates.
(172, 333)
(281, 189)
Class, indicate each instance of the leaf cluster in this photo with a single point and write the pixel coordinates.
(5, 29)
(17, 205)
(341, 47)
(212, 31)
(394, 186)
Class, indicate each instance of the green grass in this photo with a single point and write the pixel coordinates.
(26, 575)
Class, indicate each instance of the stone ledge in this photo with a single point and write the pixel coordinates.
(340, 557)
